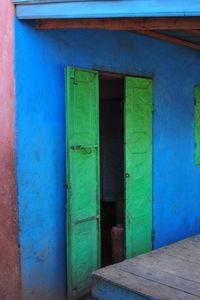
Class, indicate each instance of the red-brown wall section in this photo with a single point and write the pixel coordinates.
(9, 252)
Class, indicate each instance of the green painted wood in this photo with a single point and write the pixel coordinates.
(197, 125)
(83, 196)
(138, 165)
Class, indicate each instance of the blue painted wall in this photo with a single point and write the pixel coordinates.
(102, 9)
(40, 58)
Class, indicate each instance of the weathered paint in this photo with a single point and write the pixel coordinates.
(9, 256)
(40, 60)
(101, 9)
(106, 291)
(83, 190)
(197, 125)
(138, 165)
(156, 5)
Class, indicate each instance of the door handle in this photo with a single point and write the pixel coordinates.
(87, 148)
(76, 147)
(127, 175)
(87, 219)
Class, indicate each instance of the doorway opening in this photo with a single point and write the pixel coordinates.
(125, 168)
(111, 123)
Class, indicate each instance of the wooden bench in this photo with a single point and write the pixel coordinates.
(169, 273)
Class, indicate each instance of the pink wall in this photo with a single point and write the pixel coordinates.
(9, 252)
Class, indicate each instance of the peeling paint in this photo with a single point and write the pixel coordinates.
(9, 255)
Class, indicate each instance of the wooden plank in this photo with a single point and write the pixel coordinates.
(109, 75)
(156, 274)
(187, 252)
(192, 242)
(192, 32)
(108, 9)
(169, 39)
(172, 265)
(178, 23)
(184, 254)
(195, 240)
(143, 286)
(171, 272)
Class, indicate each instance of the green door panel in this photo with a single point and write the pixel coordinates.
(197, 125)
(138, 165)
(82, 151)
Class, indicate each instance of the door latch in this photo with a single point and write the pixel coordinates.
(87, 148)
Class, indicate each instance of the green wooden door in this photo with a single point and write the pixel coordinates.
(138, 165)
(82, 148)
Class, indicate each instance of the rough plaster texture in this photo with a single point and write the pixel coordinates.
(9, 258)
(40, 99)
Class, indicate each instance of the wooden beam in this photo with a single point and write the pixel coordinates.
(170, 39)
(142, 23)
(109, 75)
(192, 32)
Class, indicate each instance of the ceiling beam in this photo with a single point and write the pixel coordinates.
(192, 32)
(170, 39)
(141, 23)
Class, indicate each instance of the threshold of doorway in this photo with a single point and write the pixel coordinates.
(88, 297)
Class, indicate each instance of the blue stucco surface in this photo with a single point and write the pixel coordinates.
(40, 58)
(105, 9)
(105, 291)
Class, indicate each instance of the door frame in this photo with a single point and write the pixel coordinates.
(114, 75)
(106, 75)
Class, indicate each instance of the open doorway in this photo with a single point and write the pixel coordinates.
(111, 122)
(123, 109)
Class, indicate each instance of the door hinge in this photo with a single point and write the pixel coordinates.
(67, 186)
(72, 73)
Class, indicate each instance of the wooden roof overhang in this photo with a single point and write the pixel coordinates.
(173, 21)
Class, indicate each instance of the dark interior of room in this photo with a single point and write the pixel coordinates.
(111, 92)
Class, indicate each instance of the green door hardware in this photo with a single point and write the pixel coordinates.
(82, 167)
(87, 148)
(138, 165)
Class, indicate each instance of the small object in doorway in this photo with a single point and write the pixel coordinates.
(117, 238)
